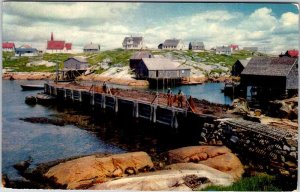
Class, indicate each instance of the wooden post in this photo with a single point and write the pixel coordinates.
(72, 95)
(116, 105)
(103, 101)
(65, 93)
(80, 96)
(154, 113)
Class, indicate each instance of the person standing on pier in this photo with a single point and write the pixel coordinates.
(104, 87)
(180, 98)
(170, 97)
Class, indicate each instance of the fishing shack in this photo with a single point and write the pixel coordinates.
(137, 58)
(161, 70)
(74, 67)
(271, 76)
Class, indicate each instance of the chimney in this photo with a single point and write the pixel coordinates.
(52, 38)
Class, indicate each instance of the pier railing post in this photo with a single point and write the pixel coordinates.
(116, 105)
(103, 98)
(154, 113)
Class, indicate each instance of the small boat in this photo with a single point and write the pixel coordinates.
(32, 87)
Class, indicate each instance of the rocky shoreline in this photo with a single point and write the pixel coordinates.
(101, 78)
(187, 168)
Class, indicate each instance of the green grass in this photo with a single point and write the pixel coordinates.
(262, 182)
(117, 56)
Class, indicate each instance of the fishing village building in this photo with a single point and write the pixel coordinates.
(196, 45)
(8, 46)
(57, 46)
(234, 47)
(271, 75)
(223, 50)
(137, 58)
(74, 67)
(239, 66)
(91, 48)
(161, 68)
(26, 50)
(133, 43)
(173, 44)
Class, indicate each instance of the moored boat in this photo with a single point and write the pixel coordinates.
(32, 87)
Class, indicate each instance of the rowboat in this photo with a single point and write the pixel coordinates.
(32, 87)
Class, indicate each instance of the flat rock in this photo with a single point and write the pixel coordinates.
(180, 177)
(219, 158)
(83, 172)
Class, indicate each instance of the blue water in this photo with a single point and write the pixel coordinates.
(42, 142)
(46, 142)
(208, 91)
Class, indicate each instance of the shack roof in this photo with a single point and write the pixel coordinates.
(244, 62)
(92, 46)
(171, 42)
(141, 54)
(162, 64)
(269, 66)
(132, 40)
(78, 58)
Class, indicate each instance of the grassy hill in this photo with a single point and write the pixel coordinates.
(120, 57)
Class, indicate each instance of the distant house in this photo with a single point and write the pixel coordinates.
(57, 45)
(7, 46)
(252, 49)
(133, 43)
(223, 50)
(290, 53)
(137, 58)
(278, 73)
(26, 50)
(74, 67)
(161, 68)
(173, 44)
(196, 45)
(238, 67)
(91, 48)
(234, 47)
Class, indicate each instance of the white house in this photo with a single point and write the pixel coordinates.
(173, 44)
(133, 43)
(223, 50)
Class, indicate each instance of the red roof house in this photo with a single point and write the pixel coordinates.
(234, 47)
(293, 53)
(57, 45)
(8, 46)
(68, 46)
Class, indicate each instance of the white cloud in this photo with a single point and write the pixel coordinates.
(109, 23)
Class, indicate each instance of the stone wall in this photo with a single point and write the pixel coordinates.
(266, 148)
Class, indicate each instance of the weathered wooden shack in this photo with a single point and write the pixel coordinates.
(161, 68)
(137, 58)
(74, 67)
(271, 74)
(239, 66)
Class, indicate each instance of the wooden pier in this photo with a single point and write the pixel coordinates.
(142, 106)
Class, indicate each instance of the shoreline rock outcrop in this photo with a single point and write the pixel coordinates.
(85, 171)
(220, 158)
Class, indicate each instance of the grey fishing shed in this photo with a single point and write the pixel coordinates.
(161, 68)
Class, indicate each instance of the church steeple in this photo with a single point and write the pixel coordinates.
(52, 38)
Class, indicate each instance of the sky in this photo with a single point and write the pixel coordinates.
(273, 28)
